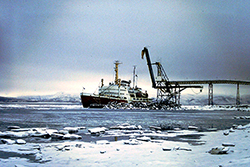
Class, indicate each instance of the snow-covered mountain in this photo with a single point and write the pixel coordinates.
(58, 97)
(185, 99)
(217, 99)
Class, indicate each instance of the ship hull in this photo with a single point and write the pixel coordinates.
(94, 101)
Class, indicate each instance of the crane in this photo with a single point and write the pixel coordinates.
(167, 92)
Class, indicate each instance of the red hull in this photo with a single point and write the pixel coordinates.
(98, 101)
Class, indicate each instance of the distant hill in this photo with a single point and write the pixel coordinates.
(58, 97)
(217, 99)
(185, 99)
(11, 99)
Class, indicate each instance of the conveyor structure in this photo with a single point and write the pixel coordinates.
(169, 91)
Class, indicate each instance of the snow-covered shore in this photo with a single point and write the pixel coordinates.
(139, 150)
(216, 107)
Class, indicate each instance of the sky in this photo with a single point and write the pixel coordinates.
(49, 46)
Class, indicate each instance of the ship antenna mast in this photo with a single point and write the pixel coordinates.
(116, 72)
(134, 75)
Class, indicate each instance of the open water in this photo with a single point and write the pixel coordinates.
(59, 115)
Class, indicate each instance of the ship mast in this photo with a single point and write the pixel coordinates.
(134, 75)
(116, 72)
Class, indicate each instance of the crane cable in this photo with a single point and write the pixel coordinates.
(195, 92)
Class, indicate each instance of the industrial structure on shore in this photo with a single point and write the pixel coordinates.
(170, 91)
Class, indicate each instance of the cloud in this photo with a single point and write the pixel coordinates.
(59, 42)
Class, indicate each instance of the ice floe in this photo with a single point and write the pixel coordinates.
(102, 142)
(126, 126)
(144, 138)
(71, 136)
(97, 131)
(8, 141)
(228, 144)
(73, 129)
(20, 141)
(13, 127)
(192, 128)
(219, 150)
(165, 148)
(132, 142)
(181, 148)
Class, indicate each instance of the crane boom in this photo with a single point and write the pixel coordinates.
(167, 92)
(145, 51)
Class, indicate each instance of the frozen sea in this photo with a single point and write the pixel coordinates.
(175, 134)
(61, 114)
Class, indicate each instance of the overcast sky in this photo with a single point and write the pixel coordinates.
(51, 46)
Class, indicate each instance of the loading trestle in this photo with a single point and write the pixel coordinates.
(210, 87)
(170, 91)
